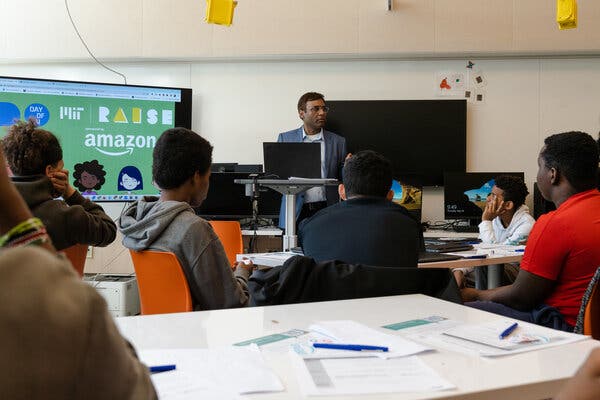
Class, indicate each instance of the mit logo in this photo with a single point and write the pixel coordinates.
(72, 113)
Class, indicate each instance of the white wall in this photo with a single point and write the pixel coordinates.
(238, 105)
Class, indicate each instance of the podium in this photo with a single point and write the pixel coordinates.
(289, 188)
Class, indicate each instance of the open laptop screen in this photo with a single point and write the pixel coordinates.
(301, 160)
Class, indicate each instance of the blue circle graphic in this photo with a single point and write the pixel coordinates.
(39, 112)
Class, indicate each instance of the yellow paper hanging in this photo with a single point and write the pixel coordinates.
(220, 11)
(566, 14)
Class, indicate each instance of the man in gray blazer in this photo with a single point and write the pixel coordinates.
(313, 112)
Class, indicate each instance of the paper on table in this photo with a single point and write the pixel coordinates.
(352, 332)
(178, 385)
(485, 337)
(365, 375)
(499, 249)
(218, 366)
(268, 259)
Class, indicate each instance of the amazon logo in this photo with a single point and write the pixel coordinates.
(118, 145)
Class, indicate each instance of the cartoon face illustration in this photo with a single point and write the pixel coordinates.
(89, 175)
(129, 182)
(88, 180)
(130, 178)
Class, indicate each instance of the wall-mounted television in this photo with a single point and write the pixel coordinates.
(422, 138)
(465, 194)
(105, 130)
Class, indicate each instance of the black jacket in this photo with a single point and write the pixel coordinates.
(301, 279)
(365, 230)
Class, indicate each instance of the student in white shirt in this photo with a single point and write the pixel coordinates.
(505, 220)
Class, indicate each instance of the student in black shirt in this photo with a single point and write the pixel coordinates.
(366, 228)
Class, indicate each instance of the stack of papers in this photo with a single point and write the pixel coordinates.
(352, 332)
(483, 338)
(335, 372)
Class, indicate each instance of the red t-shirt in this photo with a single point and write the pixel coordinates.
(564, 246)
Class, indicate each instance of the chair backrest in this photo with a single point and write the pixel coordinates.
(588, 320)
(162, 284)
(230, 235)
(77, 255)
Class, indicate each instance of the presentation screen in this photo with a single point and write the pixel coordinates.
(107, 131)
(422, 138)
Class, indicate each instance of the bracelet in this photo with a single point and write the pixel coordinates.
(30, 231)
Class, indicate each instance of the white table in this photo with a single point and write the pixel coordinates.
(494, 264)
(534, 375)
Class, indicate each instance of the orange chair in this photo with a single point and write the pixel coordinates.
(230, 234)
(162, 284)
(588, 320)
(77, 254)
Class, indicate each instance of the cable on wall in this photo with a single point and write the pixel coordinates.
(86, 46)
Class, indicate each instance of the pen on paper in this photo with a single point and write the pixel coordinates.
(508, 331)
(162, 368)
(352, 347)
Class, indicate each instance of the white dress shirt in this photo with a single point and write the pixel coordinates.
(316, 194)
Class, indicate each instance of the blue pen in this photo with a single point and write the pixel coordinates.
(519, 250)
(162, 368)
(353, 347)
(508, 331)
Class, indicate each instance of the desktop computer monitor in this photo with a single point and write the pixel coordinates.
(252, 168)
(465, 193)
(227, 200)
(292, 159)
(408, 196)
(223, 167)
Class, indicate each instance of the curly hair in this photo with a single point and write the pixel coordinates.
(514, 189)
(29, 149)
(179, 153)
(93, 168)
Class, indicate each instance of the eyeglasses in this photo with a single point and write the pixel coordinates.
(316, 109)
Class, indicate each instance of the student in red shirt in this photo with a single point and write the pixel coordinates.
(563, 250)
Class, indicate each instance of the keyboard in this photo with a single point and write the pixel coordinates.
(465, 228)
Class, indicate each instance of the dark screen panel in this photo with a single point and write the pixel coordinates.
(465, 193)
(422, 138)
(285, 159)
(227, 199)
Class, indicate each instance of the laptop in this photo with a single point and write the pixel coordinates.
(447, 247)
(427, 257)
(283, 159)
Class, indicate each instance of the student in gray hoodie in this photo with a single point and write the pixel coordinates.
(181, 169)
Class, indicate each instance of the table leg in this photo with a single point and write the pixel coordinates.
(494, 273)
(290, 239)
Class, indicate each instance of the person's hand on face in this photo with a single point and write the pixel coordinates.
(493, 208)
(60, 182)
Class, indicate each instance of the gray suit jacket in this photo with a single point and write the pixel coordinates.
(335, 154)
